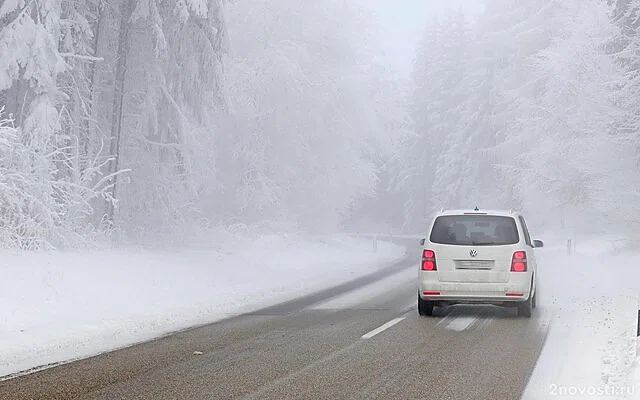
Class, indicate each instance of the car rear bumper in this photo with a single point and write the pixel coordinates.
(516, 290)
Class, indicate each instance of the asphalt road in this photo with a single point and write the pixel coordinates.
(361, 340)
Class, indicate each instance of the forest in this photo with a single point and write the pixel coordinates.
(156, 121)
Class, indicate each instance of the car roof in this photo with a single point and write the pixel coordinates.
(503, 213)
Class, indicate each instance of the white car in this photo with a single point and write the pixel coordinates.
(474, 256)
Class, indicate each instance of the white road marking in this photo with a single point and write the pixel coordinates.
(444, 320)
(461, 323)
(382, 328)
(486, 322)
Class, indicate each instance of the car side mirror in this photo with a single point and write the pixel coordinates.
(422, 242)
(538, 243)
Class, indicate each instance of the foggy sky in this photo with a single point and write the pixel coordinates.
(403, 22)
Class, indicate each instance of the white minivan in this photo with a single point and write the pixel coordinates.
(482, 257)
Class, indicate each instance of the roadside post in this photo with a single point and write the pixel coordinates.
(638, 319)
(638, 329)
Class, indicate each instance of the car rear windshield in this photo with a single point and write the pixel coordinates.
(474, 230)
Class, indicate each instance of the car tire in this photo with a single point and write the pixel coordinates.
(425, 307)
(525, 308)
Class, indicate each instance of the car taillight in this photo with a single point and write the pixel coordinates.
(519, 262)
(429, 260)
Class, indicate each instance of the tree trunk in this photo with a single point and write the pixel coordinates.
(92, 120)
(126, 8)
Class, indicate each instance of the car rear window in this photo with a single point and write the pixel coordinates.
(474, 230)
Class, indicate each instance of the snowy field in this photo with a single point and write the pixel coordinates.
(591, 300)
(61, 306)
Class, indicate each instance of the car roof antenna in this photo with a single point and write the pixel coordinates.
(476, 209)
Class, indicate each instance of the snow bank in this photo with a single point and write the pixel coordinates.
(59, 306)
(591, 299)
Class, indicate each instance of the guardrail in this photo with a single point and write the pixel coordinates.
(407, 239)
(388, 235)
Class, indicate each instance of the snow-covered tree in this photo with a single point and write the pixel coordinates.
(30, 65)
(97, 88)
(509, 110)
(167, 135)
(29, 55)
(430, 172)
(567, 129)
(131, 120)
(381, 210)
(300, 111)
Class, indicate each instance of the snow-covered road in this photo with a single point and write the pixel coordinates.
(61, 306)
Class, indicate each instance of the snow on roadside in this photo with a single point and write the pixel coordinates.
(591, 299)
(60, 306)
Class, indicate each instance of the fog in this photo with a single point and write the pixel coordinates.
(156, 122)
(401, 26)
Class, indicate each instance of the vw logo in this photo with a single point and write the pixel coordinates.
(473, 252)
